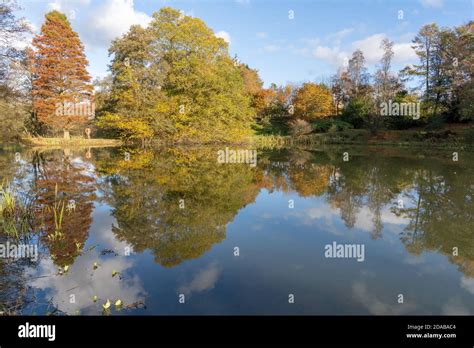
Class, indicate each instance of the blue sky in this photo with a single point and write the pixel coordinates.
(288, 41)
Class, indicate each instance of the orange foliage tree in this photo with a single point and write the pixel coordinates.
(62, 92)
(313, 101)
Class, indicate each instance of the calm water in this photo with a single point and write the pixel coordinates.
(171, 221)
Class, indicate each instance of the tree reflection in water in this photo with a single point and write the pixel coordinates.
(178, 202)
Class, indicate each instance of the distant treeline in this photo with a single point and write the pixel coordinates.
(175, 80)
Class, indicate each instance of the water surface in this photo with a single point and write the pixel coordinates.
(238, 239)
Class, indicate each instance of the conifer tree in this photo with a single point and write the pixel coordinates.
(62, 92)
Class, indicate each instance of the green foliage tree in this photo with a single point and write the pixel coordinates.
(462, 69)
(358, 111)
(178, 202)
(445, 69)
(175, 80)
(136, 105)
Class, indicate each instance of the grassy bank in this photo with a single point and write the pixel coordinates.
(40, 141)
(448, 137)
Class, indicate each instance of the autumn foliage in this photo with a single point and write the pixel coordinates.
(313, 101)
(61, 88)
(175, 81)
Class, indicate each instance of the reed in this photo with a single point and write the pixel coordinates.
(15, 215)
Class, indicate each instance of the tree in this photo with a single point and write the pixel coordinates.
(135, 104)
(62, 92)
(357, 75)
(102, 92)
(65, 195)
(12, 30)
(252, 81)
(15, 104)
(146, 200)
(386, 83)
(14, 78)
(313, 101)
(358, 111)
(462, 69)
(262, 102)
(423, 46)
(338, 90)
(446, 68)
(175, 80)
(428, 46)
(206, 90)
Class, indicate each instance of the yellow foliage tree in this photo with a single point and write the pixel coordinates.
(313, 101)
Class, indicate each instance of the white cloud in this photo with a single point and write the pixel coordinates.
(468, 284)
(322, 216)
(262, 35)
(376, 306)
(19, 41)
(301, 51)
(332, 55)
(66, 5)
(337, 37)
(84, 284)
(370, 47)
(403, 52)
(454, 306)
(224, 35)
(204, 280)
(365, 218)
(271, 48)
(327, 48)
(310, 44)
(311, 41)
(243, 2)
(432, 3)
(111, 20)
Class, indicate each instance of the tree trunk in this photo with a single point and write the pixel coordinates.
(66, 134)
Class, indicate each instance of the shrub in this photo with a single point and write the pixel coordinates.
(300, 127)
(469, 136)
(358, 111)
(436, 122)
(330, 125)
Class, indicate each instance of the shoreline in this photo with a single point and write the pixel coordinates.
(61, 142)
(441, 139)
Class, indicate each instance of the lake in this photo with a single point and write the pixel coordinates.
(337, 231)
